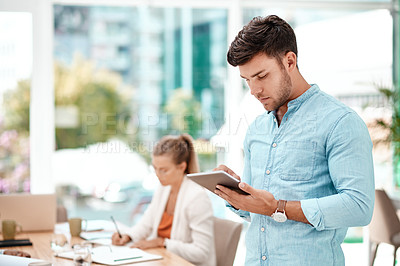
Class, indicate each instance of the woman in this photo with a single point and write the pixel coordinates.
(180, 216)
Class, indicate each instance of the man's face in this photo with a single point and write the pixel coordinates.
(268, 81)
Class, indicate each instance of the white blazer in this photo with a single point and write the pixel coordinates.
(192, 232)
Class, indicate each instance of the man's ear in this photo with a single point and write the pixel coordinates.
(290, 61)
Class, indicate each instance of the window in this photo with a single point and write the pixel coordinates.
(15, 72)
(124, 77)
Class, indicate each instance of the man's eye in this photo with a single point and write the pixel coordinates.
(262, 77)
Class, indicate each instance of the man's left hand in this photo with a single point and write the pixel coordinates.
(259, 201)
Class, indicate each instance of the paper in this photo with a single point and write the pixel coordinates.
(101, 238)
(102, 241)
(115, 255)
(96, 235)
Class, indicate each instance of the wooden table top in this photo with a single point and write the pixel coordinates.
(41, 250)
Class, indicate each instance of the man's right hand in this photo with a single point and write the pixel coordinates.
(225, 168)
(120, 241)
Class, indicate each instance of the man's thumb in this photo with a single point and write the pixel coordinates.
(245, 187)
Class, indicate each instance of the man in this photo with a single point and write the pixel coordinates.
(308, 162)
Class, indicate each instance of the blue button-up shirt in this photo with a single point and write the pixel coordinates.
(320, 155)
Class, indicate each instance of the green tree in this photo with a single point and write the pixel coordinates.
(391, 127)
(102, 101)
(16, 108)
(184, 113)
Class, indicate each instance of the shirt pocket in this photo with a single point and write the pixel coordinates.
(297, 160)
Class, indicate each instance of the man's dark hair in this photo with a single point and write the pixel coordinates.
(270, 35)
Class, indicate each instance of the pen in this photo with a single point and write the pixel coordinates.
(116, 227)
(138, 257)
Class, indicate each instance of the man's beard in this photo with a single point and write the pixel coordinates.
(283, 94)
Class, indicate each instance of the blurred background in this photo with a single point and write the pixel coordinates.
(86, 90)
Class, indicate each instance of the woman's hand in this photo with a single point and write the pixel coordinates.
(145, 244)
(120, 241)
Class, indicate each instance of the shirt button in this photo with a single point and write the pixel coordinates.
(264, 257)
(268, 172)
(275, 120)
(274, 145)
(262, 229)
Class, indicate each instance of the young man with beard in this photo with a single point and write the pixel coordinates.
(308, 159)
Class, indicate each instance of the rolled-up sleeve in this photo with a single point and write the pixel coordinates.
(349, 156)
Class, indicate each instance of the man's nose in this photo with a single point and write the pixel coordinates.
(255, 89)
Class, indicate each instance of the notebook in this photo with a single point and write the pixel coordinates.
(115, 255)
(34, 212)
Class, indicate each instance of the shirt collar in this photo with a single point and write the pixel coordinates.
(305, 96)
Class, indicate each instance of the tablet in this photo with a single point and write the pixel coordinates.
(210, 180)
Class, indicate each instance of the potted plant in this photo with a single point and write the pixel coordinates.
(392, 127)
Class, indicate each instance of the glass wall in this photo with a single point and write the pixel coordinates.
(124, 77)
(15, 71)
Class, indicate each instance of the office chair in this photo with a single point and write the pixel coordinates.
(226, 236)
(385, 224)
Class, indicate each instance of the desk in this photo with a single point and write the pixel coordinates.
(41, 250)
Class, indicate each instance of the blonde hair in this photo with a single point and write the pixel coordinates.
(181, 149)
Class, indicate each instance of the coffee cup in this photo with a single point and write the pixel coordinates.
(75, 226)
(9, 229)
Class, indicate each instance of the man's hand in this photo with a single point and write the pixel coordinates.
(259, 201)
(225, 168)
(146, 244)
(119, 241)
(18, 253)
